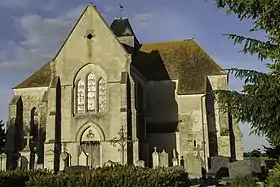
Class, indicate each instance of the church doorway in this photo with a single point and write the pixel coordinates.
(90, 147)
(92, 152)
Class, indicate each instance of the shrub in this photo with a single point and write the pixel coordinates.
(246, 181)
(19, 178)
(273, 179)
(117, 176)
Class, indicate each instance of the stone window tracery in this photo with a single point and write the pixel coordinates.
(80, 96)
(91, 96)
(91, 92)
(101, 95)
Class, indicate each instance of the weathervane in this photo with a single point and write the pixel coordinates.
(122, 9)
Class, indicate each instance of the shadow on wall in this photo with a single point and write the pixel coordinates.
(14, 132)
(156, 106)
(211, 120)
(57, 146)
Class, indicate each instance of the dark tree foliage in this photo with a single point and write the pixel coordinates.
(258, 103)
(2, 136)
(272, 152)
(255, 153)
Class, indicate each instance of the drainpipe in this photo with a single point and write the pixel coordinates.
(203, 131)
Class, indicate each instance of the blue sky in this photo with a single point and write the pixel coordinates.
(31, 31)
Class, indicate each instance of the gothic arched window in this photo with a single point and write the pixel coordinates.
(91, 92)
(91, 96)
(80, 96)
(101, 94)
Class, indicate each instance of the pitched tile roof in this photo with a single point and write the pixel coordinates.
(184, 61)
(40, 78)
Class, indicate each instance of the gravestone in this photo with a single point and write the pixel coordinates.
(140, 163)
(3, 162)
(175, 161)
(244, 167)
(76, 169)
(163, 159)
(182, 162)
(23, 163)
(109, 163)
(193, 165)
(219, 166)
(39, 166)
(155, 157)
(36, 161)
(63, 161)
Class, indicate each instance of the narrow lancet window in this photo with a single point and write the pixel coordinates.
(91, 92)
(101, 94)
(80, 96)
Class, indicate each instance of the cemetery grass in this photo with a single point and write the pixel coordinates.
(113, 176)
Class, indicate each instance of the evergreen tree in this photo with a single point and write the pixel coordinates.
(2, 136)
(258, 103)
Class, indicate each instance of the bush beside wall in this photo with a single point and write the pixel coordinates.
(118, 176)
(273, 179)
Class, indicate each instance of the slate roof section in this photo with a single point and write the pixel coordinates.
(184, 61)
(40, 78)
(121, 27)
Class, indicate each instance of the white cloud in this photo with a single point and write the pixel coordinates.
(42, 38)
(6, 95)
(162, 25)
(142, 20)
(3, 55)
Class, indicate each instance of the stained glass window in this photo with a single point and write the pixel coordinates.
(101, 94)
(80, 96)
(91, 92)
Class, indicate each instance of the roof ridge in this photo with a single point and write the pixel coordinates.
(169, 41)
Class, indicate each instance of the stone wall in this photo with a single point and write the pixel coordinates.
(31, 97)
(220, 121)
(190, 126)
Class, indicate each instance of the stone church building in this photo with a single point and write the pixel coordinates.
(102, 80)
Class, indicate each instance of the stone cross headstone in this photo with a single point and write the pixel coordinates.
(140, 163)
(163, 159)
(27, 138)
(155, 157)
(3, 162)
(175, 159)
